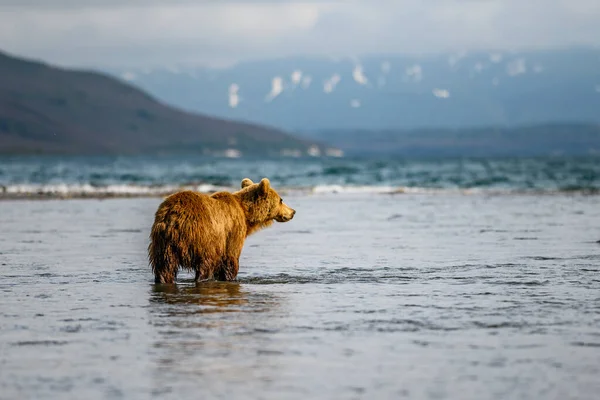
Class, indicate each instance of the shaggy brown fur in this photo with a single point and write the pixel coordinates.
(206, 234)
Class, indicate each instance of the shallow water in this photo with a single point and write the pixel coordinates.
(360, 296)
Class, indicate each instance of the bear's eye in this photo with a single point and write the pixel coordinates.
(280, 201)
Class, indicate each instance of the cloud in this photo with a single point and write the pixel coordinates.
(146, 33)
(184, 33)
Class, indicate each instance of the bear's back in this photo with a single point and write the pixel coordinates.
(187, 202)
(187, 206)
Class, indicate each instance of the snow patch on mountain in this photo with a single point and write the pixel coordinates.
(441, 93)
(276, 88)
(359, 76)
(331, 83)
(496, 58)
(516, 67)
(414, 73)
(386, 67)
(296, 77)
(234, 98)
(306, 81)
(454, 59)
(129, 76)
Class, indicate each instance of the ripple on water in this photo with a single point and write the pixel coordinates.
(41, 343)
(586, 344)
(326, 279)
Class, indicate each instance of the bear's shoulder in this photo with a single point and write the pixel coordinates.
(223, 196)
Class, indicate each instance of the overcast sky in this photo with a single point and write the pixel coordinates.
(218, 32)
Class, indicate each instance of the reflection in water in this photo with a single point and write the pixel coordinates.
(209, 297)
(205, 321)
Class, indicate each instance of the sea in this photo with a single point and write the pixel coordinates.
(142, 176)
(398, 278)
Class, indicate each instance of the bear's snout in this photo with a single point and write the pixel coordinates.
(286, 215)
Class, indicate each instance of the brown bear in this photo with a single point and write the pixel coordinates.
(206, 234)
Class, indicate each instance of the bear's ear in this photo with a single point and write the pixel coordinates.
(246, 182)
(263, 186)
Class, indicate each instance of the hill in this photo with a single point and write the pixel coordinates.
(458, 90)
(50, 110)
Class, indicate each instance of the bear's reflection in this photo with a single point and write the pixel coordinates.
(209, 297)
(216, 321)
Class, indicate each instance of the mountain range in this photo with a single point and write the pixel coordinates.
(458, 90)
(484, 103)
(556, 139)
(44, 109)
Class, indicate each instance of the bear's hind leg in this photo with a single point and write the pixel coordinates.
(202, 275)
(166, 275)
(165, 265)
(230, 262)
(228, 269)
(204, 271)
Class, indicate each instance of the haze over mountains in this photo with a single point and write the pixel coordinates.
(390, 92)
(49, 110)
(487, 103)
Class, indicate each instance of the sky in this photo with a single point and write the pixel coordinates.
(152, 33)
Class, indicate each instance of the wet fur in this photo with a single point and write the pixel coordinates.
(206, 234)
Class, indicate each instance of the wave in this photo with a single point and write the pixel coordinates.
(86, 190)
(152, 176)
(356, 189)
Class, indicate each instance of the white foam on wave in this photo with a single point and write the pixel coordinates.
(357, 189)
(128, 190)
(86, 190)
(319, 189)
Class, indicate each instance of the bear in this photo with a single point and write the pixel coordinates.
(206, 233)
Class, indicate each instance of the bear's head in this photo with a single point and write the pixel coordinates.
(262, 204)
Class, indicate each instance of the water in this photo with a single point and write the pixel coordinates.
(445, 295)
(110, 176)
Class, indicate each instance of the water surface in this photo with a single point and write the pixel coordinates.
(360, 296)
(112, 176)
